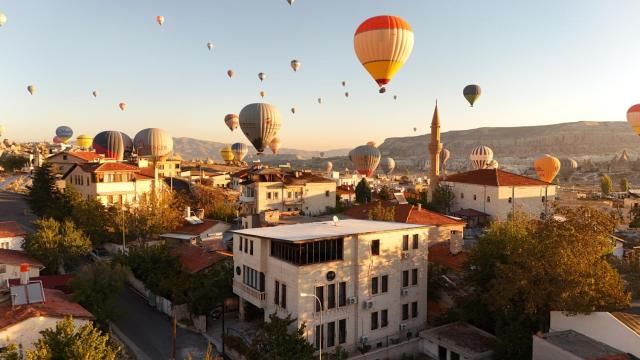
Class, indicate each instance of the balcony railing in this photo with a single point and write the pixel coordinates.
(248, 292)
(247, 199)
(294, 201)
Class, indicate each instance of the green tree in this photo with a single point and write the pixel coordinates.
(363, 192)
(382, 213)
(43, 196)
(522, 269)
(606, 186)
(155, 266)
(208, 289)
(385, 193)
(442, 200)
(66, 341)
(58, 245)
(97, 286)
(217, 203)
(275, 341)
(153, 214)
(624, 185)
(11, 162)
(95, 219)
(10, 352)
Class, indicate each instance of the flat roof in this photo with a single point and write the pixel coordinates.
(581, 345)
(325, 229)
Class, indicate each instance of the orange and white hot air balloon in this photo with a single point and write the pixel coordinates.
(122, 106)
(633, 118)
(232, 121)
(383, 44)
(160, 20)
(547, 167)
(275, 145)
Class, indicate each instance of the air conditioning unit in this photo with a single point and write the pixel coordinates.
(364, 339)
(368, 304)
(404, 255)
(352, 300)
(404, 292)
(403, 327)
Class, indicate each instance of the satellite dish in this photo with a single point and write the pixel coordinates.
(335, 220)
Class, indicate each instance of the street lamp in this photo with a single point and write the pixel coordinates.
(321, 329)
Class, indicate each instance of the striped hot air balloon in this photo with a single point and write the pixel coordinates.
(153, 142)
(328, 166)
(388, 165)
(64, 133)
(383, 44)
(260, 122)
(232, 121)
(471, 93)
(480, 157)
(239, 150)
(366, 159)
(547, 167)
(275, 145)
(110, 144)
(567, 167)
(226, 154)
(633, 118)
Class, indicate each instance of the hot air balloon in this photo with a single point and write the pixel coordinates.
(160, 20)
(293, 110)
(275, 145)
(346, 94)
(415, 129)
(321, 153)
(383, 44)
(480, 157)
(295, 64)
(232, 121)
(226, 154)
(371, 143)
(262, 76)
(263, 94)
(230, 73)
(328, 166)
(568, 167)
(2, 129)
(153, 142)
(395, 97)
(64, 133)
(3, 19)
(260, 123)
(84, 141)
(239, 150)
(547, 167)
(56, 140)
(633, 118)
(122, 106)
(445, 154)
(95, 93)
(31, 89)
(128, 144)
(290, 2)
(493, 164)
(344, 83)
(319, 100)
(472, 93)
(110, 144)
(209, 45)
(387, 164)
(366, 159)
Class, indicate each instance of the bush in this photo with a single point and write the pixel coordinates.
(236, 343)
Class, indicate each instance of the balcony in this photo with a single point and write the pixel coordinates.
(247, 199)
(294, 201)
(252, 295)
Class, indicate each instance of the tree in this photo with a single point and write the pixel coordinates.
(442, 199)
(382, 213)
(385, 193)
(635, 217)
(624, 185)
(11, 162)
(207, 290)
(58, 245)
(43, 195)
(153, 214)
(606, 186)
(522, 269)
(97, 286)
(95, 219)
(155, 266)
(275, 341)
(66, 341)
(217, 203)
(10, 352)
(363, 192)
(338, 354)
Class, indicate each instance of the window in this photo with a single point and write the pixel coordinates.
(269, 195)
(405, 278)
(331, 296)
(331, 334)
(374, 286)
(342, 331)
(384, 318)
(246, 245)
(240, 238)
(474, 196)
(414, 309)
(319, 334)
(283, 298)
(488, 198)
(385, 283)
(375, 247)
(416, 238)
(405, 311)
(510, 199)
(308, 253)
(374, 320)
(251, 248)
(405, 242)
(543, 199)
(461, 195)
(288, 194)
(454, 356)
(442, 352)
(327, 193)
(342, 294)
(414, 276)
(275, 195)
(3, 268)
(64, 157)
(320, 295)
(276, 297)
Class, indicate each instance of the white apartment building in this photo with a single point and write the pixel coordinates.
(62, 161)
(370, 276)
(497, 193)
(275, 189)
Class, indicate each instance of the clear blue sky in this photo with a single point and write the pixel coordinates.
(538, 62)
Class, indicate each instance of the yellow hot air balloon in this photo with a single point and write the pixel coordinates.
(633, 118)
(31, 89)
(226, 154)
(547, 167)
(84, 141)
(160, 20)
(383, 44)
(263, 94)
(3, 19)
(209, 45)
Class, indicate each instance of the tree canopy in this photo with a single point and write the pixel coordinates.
(363, 192)
(43, 196)
(382, 213)
(153, 214)
(275, 341)
(606, 186)
(624, 184)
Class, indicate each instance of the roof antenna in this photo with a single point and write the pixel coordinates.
(335, 220)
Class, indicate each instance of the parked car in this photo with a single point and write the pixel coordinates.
(100, 254)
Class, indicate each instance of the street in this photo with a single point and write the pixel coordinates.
(150, 330)
(13, 207)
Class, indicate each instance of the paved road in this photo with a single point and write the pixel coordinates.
(150, 330)
(12, 207)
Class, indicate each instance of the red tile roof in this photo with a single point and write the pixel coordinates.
(195, 258)
(11, 229)
(494, 177)
(55, 305)
(439, 254)
(108, 166)
(195, 229)
(16, 257)
(86, 155)
(56, 282)
(470, 213)
(404, 213)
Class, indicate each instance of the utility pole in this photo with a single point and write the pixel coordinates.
(173, 336)
(124, 246)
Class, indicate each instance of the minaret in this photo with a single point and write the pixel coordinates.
(435, 147)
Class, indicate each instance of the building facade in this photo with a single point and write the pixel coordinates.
(370, 276)
(62, 161)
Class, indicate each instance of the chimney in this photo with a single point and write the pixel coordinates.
(24, 274)
(419, 206)
(187, 212)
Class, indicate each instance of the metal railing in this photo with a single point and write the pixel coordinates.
(248, 290)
